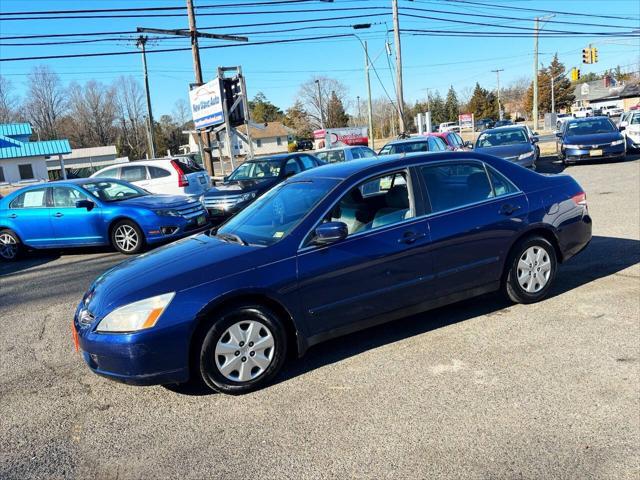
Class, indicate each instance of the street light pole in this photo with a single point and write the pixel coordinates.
(497, 72)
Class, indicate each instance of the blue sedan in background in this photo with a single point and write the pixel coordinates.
(511, 143)
(93, 211)
(329, 251)
(590, 138)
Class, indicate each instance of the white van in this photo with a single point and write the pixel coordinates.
(173, 176)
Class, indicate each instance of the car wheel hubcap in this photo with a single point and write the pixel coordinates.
(245, 351)
(534, 269)
(126, 238)
(8, 246)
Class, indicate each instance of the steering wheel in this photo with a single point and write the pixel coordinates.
(119, 194)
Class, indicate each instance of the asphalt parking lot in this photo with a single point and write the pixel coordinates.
(482, 389)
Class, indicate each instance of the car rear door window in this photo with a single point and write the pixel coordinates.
(366, 152)
(133, 173)
(456, 184)
(291, 167)
(501, 185)
(307, 162)
(36, 198)
(436, 144)
(157, 172)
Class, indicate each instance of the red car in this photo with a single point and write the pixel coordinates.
(453, 140)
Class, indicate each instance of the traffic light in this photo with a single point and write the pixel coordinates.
(586, 55)
(577, 74)
(232, 88)
(594, 55)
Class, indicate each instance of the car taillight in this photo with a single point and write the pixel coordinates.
(580, 199)
(183, 181)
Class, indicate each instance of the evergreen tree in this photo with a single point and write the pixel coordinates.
(451, 106)
(336, 115)
(263, 111)
(298, 119)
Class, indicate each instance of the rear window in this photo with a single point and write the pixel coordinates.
(188, 166)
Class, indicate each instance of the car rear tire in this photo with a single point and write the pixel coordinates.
(11, 247)
(243, 350)
(127, 237)
(532, 269)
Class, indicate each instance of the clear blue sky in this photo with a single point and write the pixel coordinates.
(430, 62)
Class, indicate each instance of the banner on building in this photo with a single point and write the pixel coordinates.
(341, 137)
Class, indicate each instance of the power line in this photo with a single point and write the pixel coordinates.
(485, 33)
(216, 27)
(214, 14)
(557, 12)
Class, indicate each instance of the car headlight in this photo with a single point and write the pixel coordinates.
(247, 196)
(617, 142)
(572, 147)
(201, 199)
(167, 213)
(137, 315)
(525, 155)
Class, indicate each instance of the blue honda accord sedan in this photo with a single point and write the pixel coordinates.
(329, 251)
(93, 211)
(590, 138)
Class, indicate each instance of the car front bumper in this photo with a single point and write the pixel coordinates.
(151, 357)
(603, 153)
(173, 228)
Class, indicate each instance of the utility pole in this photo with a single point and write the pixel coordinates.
(497, 72)
(396, 36)
(369, 107)
(320, 105)
(535, 74)
(141, 44)
(553, 95)
(358, 99)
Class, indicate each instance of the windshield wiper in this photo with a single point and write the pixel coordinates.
(231, 237)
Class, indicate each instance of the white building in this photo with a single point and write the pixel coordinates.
(82, 162)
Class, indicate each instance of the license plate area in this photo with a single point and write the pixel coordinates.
(595, 153)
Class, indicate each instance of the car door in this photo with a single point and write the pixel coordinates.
(383, 265)
(73, 225)
(475, 214)
(161, 180)
(30, 212)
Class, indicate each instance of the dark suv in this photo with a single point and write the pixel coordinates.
(252, 179)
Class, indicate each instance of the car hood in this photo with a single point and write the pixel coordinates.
(506, 151)
(184, 264)
(592, 139)
(158, 201)
(241, 186)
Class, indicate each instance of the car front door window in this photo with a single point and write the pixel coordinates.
(291, 167)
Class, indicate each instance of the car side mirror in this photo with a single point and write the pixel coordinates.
(535, 139)
(330, 232)
(88, 204)
(468, 144)
(225, 178)
(558, 133)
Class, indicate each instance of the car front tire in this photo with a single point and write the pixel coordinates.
(10, 245)
(532, 269)
(127, 237)
(243, 350)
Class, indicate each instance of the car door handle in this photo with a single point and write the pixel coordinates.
(411, 237)
(58, 215)
(13, 215)
(508, 209)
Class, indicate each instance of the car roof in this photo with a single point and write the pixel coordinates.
(436, 134)
(344, 170)
(407, 140)
(588, 119)
(275, 156)
(505, 128)
(344, 147)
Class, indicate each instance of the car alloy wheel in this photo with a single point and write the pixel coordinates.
(534, 269)
(126, 238)
(9, 246)
(244, 351)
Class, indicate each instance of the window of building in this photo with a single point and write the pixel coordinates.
(258, 142)
(278, 141)
(2, 179)
(26, 171)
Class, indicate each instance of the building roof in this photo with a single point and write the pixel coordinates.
(13, 143)
(91, 152)
(15, 129)
(598, 90)
(270, 130)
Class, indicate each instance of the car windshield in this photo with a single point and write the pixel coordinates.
(267, 168)
(635, 119)
(276, 213)
(590, 127)
(408, 147)
(113, 190)
(331, 156)
(506, 137)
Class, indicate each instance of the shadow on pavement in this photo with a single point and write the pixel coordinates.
(551, 164)
(35, 258)
(603, 257)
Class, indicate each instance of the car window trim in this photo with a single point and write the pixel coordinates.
(303, 246)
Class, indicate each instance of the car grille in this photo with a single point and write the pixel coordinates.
(191, 210)
(594, 146)
(222, 203)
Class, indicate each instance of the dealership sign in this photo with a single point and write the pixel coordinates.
(339, 137)
(465, 120)
(206, 104)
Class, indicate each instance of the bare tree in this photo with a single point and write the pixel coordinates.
(130, 113)
(181, 112)
(93, 110)
(314, 103)
(46, 103)
(8, 102)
